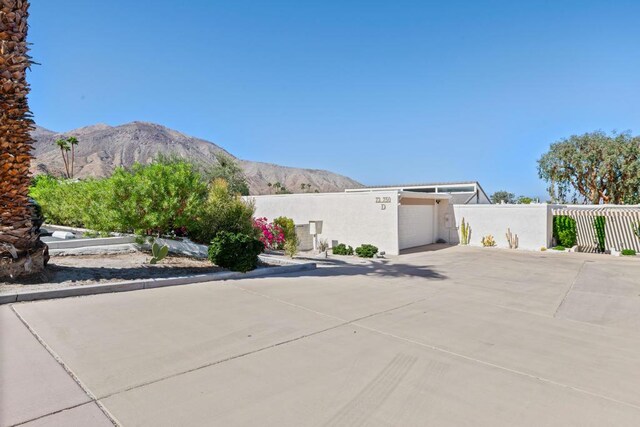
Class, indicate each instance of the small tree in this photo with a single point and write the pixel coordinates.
(228, 169)
(524, 200)
(503, 196)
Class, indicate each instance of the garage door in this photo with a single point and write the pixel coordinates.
(415, 225)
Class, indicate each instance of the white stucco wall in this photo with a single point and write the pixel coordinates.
(532, 223)
(349, 218)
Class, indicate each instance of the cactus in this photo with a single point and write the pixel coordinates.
(158, 252)
(512, 239)
(488, 241)
(465, 233)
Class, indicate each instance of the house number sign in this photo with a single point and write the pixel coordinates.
(383, 202)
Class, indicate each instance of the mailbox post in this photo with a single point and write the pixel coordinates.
(315, 228)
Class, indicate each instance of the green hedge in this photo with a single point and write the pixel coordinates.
(165, 197)
(599, 224)
(565, 230)
(77, 203)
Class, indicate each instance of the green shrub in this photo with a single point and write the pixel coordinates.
(289, 229)
(235, 251)
(598, 224)
(157, 198)
(558, 248)
(76, 203)
(291, 246)
(152, 199)
(222, 211)
(565, 230)
(628, 252)
(342, 249)
(366, 251)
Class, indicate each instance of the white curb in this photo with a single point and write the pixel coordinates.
(289, 267)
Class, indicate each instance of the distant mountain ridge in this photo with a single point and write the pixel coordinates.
(102, 148)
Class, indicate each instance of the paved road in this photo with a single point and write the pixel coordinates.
(459, 336)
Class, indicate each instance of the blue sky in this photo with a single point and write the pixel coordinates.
(384, 92)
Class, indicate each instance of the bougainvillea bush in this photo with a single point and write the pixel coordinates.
(270, 234)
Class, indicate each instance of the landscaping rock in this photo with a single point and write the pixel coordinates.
(63, 235)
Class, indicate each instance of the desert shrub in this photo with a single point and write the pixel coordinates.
(342, 249)
(291, 246)
(366, 251)
(235, 251)
(222, 211)
(157, 198)
(488, 241)
(323, 245)
(628, 252)
(598, 224)
(565, 230)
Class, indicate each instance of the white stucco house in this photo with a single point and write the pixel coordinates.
(392, 218)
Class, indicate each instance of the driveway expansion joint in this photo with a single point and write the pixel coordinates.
(575, 280)
(69, 372)
(449, 352)
(259, 350)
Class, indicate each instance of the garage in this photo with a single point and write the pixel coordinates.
(415, 222)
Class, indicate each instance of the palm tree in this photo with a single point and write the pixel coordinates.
(21, 250)
(64, 148)
(73, 141)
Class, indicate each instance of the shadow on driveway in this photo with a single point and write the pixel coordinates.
(375, 268)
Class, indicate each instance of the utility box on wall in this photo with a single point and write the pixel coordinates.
(315, 227)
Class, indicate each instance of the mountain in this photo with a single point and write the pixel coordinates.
(102, 148)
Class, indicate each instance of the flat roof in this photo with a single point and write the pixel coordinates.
(427, 184)
(402, 193)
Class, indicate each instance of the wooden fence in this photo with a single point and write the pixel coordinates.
(619, 222)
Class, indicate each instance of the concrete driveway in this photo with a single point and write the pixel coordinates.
(460, 336)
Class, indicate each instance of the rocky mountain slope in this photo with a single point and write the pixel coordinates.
(102, 148)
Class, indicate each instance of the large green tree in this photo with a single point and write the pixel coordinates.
(593, 168)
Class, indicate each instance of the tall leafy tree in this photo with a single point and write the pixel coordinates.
(593, 168)
(21, 250)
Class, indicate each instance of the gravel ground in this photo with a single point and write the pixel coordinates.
(80, 270)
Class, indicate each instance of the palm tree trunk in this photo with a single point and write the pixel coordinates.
(64, 160)
(72, 158)
(21, 250)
